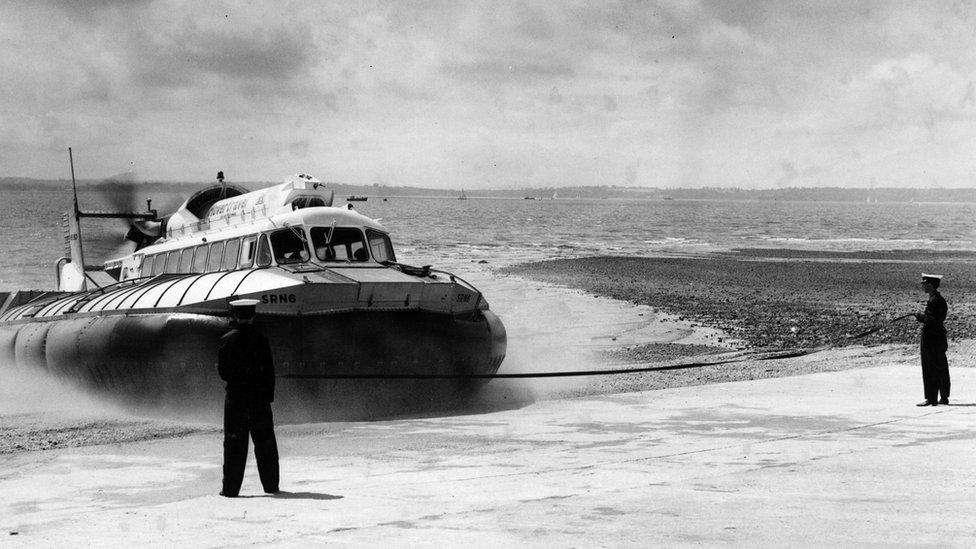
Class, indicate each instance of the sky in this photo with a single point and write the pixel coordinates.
(456, 94)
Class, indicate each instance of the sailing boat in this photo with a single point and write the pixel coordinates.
(462, 196)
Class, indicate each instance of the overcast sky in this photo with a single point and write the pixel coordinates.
(493, 94)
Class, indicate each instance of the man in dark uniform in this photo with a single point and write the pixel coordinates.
(935, 366)
(244, 362)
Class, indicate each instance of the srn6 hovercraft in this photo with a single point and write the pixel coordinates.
(334, 302)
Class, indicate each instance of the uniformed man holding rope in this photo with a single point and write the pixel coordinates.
(935, 365)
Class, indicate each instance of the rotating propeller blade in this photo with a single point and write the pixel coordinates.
(125, 193)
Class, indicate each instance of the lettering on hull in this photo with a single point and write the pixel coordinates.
(278, 298)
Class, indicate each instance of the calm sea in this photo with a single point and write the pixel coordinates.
(452, 233)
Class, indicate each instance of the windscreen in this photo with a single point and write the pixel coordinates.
(339, 244)
(380, 245)
(289, 246)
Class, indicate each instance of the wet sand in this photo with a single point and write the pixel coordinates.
(834, 460)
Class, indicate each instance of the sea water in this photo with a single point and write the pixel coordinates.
(454, 233)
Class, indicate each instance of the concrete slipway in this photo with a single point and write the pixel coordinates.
(830, 459)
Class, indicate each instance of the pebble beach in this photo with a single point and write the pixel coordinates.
(782, 299)
(836, 306)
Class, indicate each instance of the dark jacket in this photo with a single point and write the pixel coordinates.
(933, 319)
(244, 362)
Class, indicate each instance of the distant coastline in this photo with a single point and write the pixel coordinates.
(787, 194)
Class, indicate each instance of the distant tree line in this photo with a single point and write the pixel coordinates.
(815, 194)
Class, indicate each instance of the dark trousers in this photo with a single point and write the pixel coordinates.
(240, 419)
(935, 370)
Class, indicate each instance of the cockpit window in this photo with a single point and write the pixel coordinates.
(307, 202)
(339, 244)
(380, 245)
(289, 245)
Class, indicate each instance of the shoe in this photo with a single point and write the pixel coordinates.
(944, 402)
(272, 492)
(228, 495)
(926, 403)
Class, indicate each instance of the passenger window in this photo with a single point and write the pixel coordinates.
(216, 251)
(173, 261)
(247, 251)
(231, 254)
(289, 245)
(264, 251)
(159, 265)
(186, 260)
(200, 258)
(147, 266)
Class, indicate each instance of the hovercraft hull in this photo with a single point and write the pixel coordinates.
(336, 354)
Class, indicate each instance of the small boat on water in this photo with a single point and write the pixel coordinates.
(333, 301)
(462, 196)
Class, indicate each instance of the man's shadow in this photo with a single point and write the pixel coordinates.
(294, 495)
(303, 495)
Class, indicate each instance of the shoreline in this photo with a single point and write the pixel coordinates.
(772, 300)
(780, 299)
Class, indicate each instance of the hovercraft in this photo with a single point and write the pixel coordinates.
(349, 326)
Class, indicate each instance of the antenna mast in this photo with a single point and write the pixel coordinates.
(74, 187)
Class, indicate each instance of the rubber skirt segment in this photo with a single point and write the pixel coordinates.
(151, 359)
(30, 345)
(170, 359)
(8, 342)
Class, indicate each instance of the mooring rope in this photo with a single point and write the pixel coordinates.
(617, 371)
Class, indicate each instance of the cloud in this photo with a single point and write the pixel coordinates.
(182, 58)
(788, 176)
(299, 149)
(498, 71)
(913, 90)
(543, 92)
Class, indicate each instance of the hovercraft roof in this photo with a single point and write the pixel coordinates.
(308, 217)
(227, 205)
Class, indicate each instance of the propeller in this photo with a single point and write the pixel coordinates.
(125, 193)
